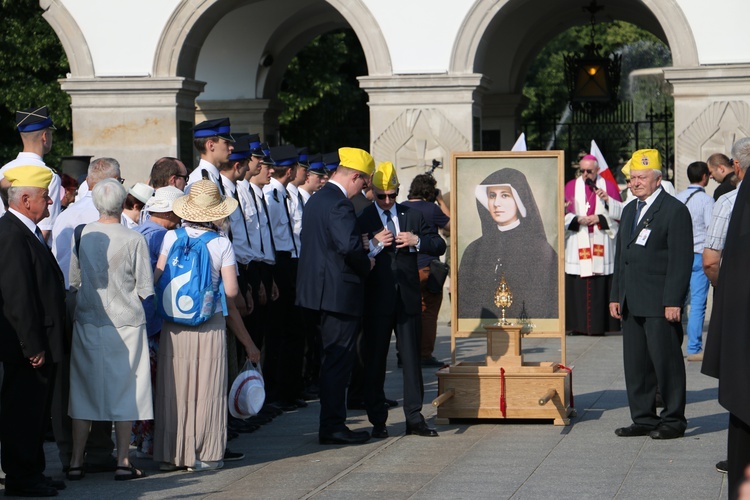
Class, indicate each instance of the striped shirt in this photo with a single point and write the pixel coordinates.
(716, 234)
(701, 207)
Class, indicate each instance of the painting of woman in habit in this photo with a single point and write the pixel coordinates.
(513, 243)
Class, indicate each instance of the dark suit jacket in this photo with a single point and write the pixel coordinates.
(656, 275)
(360, 202)
(333, 264)
(32, 295)
(396, 272)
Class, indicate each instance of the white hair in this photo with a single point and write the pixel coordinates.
(15, 193)
(103, 168)
(108, 196)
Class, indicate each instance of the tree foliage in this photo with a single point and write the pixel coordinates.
(545, 83)
(324, 107)
(31, 61)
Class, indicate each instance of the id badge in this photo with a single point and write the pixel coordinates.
(643, 237)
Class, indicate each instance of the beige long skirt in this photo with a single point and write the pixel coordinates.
(191, 393)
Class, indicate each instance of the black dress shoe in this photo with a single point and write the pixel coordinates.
(37, 490)
(270, 410)
(432, 361)
(285, 405)
(664, 432)
(633, 430)
(300, 403)
(344, 437)
(379, 432)
(421, 429)
(391, 403)
(58, 484)
(259, 419)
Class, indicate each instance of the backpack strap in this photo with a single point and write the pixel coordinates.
(77, 232)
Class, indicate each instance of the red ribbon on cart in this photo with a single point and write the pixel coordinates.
(569, 370)
(502, 391)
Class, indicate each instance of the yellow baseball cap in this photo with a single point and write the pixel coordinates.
(385, 177)
(626, 170)
(29, 176)
(645, 159)
(357, 159)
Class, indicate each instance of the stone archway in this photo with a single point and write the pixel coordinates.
(668, 13)
(71, 38)
(190, 24)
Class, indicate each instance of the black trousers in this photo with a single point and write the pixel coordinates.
(24, 414)
(652, 354)
(286, 343)
(376, 340)
(338, 332)
(738, 453)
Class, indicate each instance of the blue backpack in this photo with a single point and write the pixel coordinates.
(185, 290)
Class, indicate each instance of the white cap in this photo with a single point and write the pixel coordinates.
(163, 199)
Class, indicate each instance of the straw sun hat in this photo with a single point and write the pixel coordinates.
(204, 203)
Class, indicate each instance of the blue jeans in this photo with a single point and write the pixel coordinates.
(698, 293)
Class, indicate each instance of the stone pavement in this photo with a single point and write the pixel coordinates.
(470, 459)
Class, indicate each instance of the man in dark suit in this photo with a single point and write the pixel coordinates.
(32, 297)
(393, 299)
(652, 274)
(727, 343)
(332, 268)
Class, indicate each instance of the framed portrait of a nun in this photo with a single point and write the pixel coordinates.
(507, 222)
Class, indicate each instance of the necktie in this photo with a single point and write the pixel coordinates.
(270, 229)
(301, 202)
(242, 216)
(639, 206)
(390, 226)
(223, 193)
(289, 223)
(40, 236)
(257, 212)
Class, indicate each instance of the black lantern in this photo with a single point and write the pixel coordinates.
(593, 80)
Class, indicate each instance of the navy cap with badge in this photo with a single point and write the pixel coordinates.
(241, 149)
(331, 160)
(33, 119)
(219, 127)
(267, 160)
(284, 156)
(255, 145)
(316, 165)
(304, 157)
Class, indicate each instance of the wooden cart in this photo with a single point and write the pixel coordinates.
(504, 385)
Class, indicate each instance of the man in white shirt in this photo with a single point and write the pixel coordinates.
(35, 127)
(213, 140)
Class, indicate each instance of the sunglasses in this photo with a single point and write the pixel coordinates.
(387, 195)
(587, 171)
(183, 177)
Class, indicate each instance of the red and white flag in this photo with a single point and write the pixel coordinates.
(604, 170)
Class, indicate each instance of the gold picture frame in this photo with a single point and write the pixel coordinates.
(530, 254)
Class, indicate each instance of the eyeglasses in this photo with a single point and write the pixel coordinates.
(587, 171)
(387, 195)
(183, 177)
(121, 180)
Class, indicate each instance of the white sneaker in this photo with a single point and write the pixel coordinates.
(201, 466)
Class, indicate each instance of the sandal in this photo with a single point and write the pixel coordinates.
(134, 473)
(75, 477)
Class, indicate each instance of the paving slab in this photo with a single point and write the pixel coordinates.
(472, 458)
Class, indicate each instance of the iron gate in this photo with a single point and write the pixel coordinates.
(617, 133)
